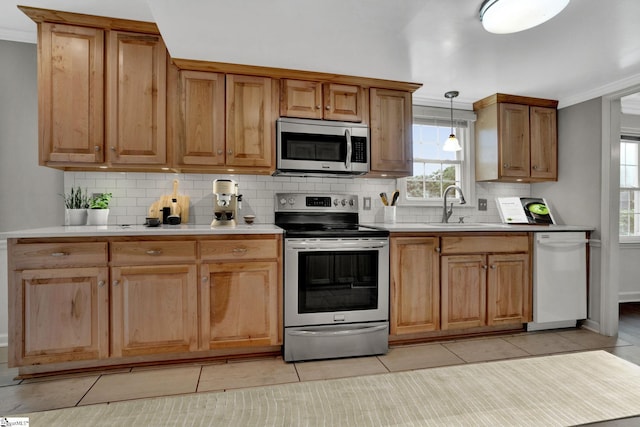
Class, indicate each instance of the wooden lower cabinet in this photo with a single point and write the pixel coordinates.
(415, 285)
(153, 309)
(464, 290)
(63, 315)
(239, 305)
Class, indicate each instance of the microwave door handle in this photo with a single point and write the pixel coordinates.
(347, 162)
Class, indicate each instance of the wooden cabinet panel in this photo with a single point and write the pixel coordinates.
(508, 293)
(465, 244)
(152, 252)
(154, 309)
(240, 305)
(65, 315)
(301, 98)
(200, 134)
(391, 133)
(514, 128)
(464, 291)
(342, 102)
(238, 249)
(136, 99)
(71, 94)
(52, 255)
(415, 285)
(544, 142)
(250, 126)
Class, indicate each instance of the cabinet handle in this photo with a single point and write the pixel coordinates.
(116, 282)
(113, 149)
(328, 107)
(493, 267)
(484, 267)
(534, 167)
(438, 250)
(506, 165)
(154, 252)
(96, 148)
(318, 107)
(220, 151)
(58, 254)
(239, 250)
(230, 152)
(101, 283)
(205, 279)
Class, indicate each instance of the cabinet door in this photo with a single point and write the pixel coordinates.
(250, 121)
(508, 290)
(153, 309)
(136, 99)
(65, 315)
(240, 305)
(464, 291)
(199, 136)
(71, 94)
(415, 285)
(544, 143)
(514, 140)
(342, 102)
(391, 133)
(301, 98)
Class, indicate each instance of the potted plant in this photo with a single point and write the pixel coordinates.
(76, 203)
(98, 213)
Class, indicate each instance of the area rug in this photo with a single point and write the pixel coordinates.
(558, 390)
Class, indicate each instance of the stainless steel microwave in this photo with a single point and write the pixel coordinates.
(321, 147)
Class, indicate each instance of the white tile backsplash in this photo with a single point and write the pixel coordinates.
(134, 192)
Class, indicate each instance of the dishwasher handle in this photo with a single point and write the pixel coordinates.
(562, 243)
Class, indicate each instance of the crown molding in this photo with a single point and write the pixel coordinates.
(607, 89)
(18, 35)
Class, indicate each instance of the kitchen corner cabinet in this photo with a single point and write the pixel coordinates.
(516, 139)
(71, 94)
(240, 293)
(415, 285)
(136, 99)
(391, 133)
(485, 281)
(59, 302)
(317, 100)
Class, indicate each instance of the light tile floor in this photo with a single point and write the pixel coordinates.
(102, 387)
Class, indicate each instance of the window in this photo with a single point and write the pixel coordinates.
(434, 169)
(629, 186)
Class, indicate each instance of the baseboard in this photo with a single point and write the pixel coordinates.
(591, 325)
(4, 340)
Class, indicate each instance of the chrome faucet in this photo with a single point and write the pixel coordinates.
(446, 214)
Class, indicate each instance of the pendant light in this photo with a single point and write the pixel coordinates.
(452, 143)
(512, 16)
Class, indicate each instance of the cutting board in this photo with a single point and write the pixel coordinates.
(182, 205)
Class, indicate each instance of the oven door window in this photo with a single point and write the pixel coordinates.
(337, 281)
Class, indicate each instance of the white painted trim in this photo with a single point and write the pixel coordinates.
(609, 88)
(591, 326)
(4, 297)
(629, 296)
(18, 36)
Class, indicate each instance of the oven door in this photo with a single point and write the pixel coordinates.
(333, 281)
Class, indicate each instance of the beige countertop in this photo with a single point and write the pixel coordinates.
(139, 230)
(438, 227)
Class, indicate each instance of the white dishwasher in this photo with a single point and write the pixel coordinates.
(559, 280)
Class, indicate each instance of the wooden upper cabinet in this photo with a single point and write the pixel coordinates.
(317, 100)
(71, 94)
(516, 139)
(136, 99)
(251, 106)
(199, 129)
(391, 133)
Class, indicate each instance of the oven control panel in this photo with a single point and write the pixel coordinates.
(301, 202)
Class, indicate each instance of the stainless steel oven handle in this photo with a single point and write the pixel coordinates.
(347, 161)
(346, 332)
(341, 245)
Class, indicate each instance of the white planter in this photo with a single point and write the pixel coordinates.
(97, 216)
(75, 217)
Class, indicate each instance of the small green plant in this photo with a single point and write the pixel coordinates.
(76, 199)
(100, 201)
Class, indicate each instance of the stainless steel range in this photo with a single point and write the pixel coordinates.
(336, 279)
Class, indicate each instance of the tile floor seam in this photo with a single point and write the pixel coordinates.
(88, 390)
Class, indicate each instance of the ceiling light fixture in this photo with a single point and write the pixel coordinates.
(452, 143)
(511, 16)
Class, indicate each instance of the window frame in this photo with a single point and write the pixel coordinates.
(631, 137)
(466, 135)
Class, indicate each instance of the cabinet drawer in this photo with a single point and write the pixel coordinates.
(231, 250)
(152, 252)
(484, 244)
(47, 255)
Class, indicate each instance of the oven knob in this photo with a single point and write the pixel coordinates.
(335, 202)
(292, 201)
(283, 201)
(350, 202)
(343, 202)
